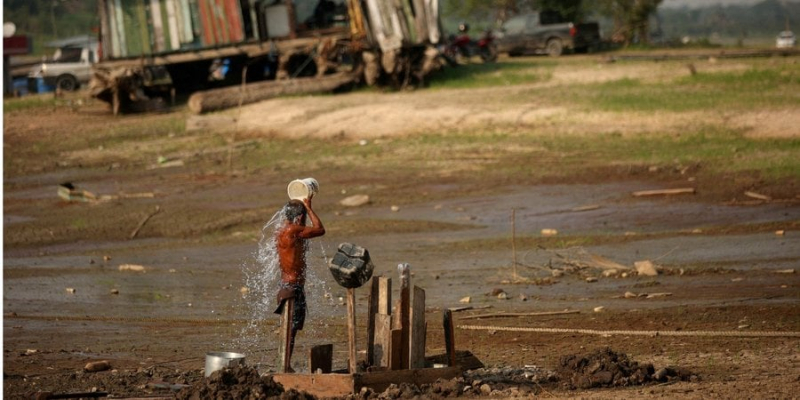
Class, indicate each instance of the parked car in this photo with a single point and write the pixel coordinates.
(785, 39)
(545, 32)
(68, 69)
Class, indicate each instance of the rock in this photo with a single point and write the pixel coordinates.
(599, 309)
(502, 296)
(610, 272)
(591, 279)
(486, 389)
(523, 297)
(131, 267)
(549, 232)
(557, 273)
(71, 290)
(656, 295)
(497, 291)
(465, 300)
(661, 374)
(645, 268)
(351, 266)
(97, 366)
(395, 208)
(114, 291)
(630, 295)
(356, 200)
(785, 271)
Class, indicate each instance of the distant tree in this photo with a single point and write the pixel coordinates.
(631, 18)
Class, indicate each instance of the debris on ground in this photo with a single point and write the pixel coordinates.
(605, 368)
(355, 200)
(239, 382)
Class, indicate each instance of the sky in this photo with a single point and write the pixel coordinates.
(703, 3)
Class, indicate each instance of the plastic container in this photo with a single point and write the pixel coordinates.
(218, 360)
(300, 189)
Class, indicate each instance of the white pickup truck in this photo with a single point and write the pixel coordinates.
(69, 68)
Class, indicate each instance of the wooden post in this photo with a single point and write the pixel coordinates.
(416, 356)
(449, 339)
(384, 295)
(371, 313)
(284, 357)
(351, 330)
(396, 350)
(383, 324)
(405, 311)
(321, 358)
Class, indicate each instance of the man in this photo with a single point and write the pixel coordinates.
(291, 244)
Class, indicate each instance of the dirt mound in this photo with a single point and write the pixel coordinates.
(239, 383)
(605, 368)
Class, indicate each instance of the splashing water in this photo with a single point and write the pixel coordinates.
(260, 336)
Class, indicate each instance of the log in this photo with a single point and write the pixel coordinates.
(396, 350)
(384, 295)
(228, 97)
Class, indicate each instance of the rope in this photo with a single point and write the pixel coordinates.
(633, 333)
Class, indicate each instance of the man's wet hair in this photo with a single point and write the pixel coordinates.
(294, 209)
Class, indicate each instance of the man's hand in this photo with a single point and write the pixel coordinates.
(307, 201)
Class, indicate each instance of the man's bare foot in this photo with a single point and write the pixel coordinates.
(290, 370)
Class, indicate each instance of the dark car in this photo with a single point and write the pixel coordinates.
(545, 33)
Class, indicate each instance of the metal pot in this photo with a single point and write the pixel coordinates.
(218, 360)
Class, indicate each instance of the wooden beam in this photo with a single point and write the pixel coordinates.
(416, 345)
(383, 341)
(351, 330)
(405, 313)
(371, 312)
(384, 295)
(380, 380)
(396, 350)
(449, 337)
(284, 358)
(321, 358)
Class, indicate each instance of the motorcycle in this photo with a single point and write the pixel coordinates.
(463, 47)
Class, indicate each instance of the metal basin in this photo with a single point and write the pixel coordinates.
(217, 360)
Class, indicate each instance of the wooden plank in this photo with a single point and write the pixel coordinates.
(664, 192)
(396, 349)
(380, 380)
(416, 345)
(464, 360)
(405, 312)
(449, 337)
(351, 330)
(158, 25)
(320, 385)
(171, 9)
(384, 295)
(383, 341)
(371, 312)
(284, 360)
(321, 358)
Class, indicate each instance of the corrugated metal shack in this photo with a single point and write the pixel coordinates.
(155, 46)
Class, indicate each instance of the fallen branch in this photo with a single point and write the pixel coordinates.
(144, 221)
(662, 192)
(535, 314)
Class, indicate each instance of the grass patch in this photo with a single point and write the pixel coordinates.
(28, 103)
(491, 74)
(747, 90)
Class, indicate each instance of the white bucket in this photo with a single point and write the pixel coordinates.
(300, 189)
(217, 360)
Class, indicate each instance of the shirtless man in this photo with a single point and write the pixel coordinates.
(291, 243)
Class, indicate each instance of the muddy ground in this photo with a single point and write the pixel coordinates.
(727, 262)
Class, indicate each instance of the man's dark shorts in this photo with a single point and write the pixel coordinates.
(296, 292)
